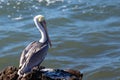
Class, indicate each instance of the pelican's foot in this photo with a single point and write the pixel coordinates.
(36, 68)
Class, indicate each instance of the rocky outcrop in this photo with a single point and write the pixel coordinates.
(41, 73)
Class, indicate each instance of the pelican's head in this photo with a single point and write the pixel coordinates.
(39, 19)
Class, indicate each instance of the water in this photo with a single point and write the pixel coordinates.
(85, 34)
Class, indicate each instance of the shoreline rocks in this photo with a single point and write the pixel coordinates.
(41, 73)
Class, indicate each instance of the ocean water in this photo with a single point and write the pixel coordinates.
(85, 34)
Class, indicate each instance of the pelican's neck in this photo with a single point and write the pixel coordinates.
(42, 31)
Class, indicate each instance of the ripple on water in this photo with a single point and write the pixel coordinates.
(107, 73)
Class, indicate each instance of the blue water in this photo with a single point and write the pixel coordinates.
(85, 34)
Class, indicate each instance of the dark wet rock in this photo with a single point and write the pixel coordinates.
(41, 73)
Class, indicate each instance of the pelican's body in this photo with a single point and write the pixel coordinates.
(36, 51)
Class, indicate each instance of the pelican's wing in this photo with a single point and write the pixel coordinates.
(24, 52)
(34, 56)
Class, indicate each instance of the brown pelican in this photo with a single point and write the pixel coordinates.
(36, 51)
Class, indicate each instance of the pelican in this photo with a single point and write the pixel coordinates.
(36, 51)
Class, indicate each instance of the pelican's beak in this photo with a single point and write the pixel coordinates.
(44, 25)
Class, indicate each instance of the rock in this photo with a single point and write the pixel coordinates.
(9, 73)
(41, 73)
(76, 73)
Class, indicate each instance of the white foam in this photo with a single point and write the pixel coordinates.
(17, 18)
(50, 1)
